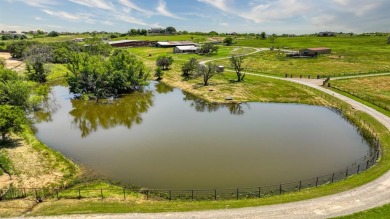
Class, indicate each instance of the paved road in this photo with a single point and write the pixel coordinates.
(370, 195)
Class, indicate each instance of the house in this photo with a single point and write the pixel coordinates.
(314, 51)
(185, 49)
(78, 40)
(174, 44)
(131, 43)
(326, 34)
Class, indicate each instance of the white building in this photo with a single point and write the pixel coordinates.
(185, 49)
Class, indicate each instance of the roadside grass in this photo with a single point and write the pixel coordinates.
(379, 213)
(373, 90)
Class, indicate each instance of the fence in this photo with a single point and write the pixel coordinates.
(364, 97)
(217, 194)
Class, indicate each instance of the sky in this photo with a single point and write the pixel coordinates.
(223, 16)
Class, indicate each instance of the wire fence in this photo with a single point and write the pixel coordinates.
(364, 97)
(221, 194)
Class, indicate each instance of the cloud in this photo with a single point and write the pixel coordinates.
(163, 10)
(132, 6)
(220, 4)
(101, 4)
(130, 19)
(36, 3)
(70, 17)
(37, 18)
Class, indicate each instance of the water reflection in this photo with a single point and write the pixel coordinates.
(48, 107)
(88, 116)
(201, 105)
(162, 88)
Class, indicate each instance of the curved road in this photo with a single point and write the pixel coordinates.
(370, 195)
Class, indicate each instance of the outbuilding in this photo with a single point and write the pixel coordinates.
(185, 49)
(131, 43)
(314, 51)
(174, 44)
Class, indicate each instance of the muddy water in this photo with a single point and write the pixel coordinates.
(165, 138)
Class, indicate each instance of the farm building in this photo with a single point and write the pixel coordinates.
(131, 43)
(185, 49)
(78, 39)
(326, 34)
(314, 51)
(174, 44)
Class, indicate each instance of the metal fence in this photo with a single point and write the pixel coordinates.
(210, 194)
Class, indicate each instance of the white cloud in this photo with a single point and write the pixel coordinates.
(163, 10)
(132, 6)
(130, 19)
(37, 18)
(224, 24)
(108, 23)
(220, 4)
(101, 4)
(70, 17)
(36, 3)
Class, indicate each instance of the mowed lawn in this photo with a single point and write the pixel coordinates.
(371, 89)
(350, 56)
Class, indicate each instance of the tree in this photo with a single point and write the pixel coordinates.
(96, 46)
(96, 77)
(11, 120)
(170, 30)
(18, 48)
(206, 72)
(236, 62)
(209, 48)
(213, 33)
(53, 34)
(159, 73)
(228, 41)
(36, 56)
(263, 35)
(189, 67)
(164, 62)
(272, 40)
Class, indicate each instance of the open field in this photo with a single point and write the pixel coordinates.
(375, 90)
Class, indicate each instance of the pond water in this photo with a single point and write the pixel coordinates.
(165, 138)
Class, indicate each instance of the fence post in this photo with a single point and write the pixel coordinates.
(192, 195)
(317, 182)
(147, 194)
(124, 194)
(170, 195)
(358, 169)
(300, 185)
(237, 194)
(215, 194)
(259, 192)
(332, 177)
(280, 189)
(346, 173)
(367, 164)
(101, 193)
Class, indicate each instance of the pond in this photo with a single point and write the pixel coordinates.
(164, 138)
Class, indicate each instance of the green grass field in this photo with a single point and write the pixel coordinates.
(382, 212)
(375, 90)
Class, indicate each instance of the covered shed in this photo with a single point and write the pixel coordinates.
(185, 49)
(174, 44)
(131, 43)
(314, 51)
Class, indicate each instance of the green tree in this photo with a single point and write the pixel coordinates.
(96, 46)
(18, 48)
(209, 48)
(263, 35)
(228, 41)
(170, 30)
(11, 120)
(206, 72)
(159, 73)
(236, 62)
(213, 33)
(53, 34)
(272, 40)
(164, 61)
(189, 67)
(36, 57)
